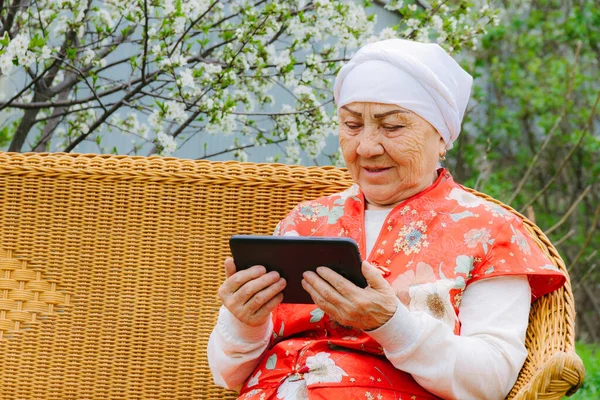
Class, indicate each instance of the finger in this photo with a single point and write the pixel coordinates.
(229, 267)
(374, 277)
(337, 281)
(264, 292)
(322, 303)
(316, 297)
(252, 287)
(269, 306)
(323, 288)
(239, 279)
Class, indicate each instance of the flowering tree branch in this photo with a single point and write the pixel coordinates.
(170, 70)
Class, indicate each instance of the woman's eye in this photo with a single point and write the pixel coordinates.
(353, 126)
(391, 128)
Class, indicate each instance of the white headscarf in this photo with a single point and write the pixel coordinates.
(420, 77)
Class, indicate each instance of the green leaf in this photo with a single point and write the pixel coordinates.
(458, 216)
(464, 264)
(71, 53)
(459, 283)
(226, 35)
(125, 31)
(37, 41)
(334, 214)
(271, 362)
(5, 39)
(317, 315)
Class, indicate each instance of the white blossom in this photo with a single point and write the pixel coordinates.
(187, 78)
(394, 5)
(225, 126)
(194, 8)
(81, 7)
(46, 53)
(322, 369)
(100, 63)
(209, 70)
(437, 22)
(167, 142)
(413, 23)
(283, 59)
(176, 111)
(179, 25)
(105, 17)
(45, 16)
(169, 6)
(293, 154)
(434, 298)
(292, 388)
(388, 33)
(131, 124)
(6, 64)
(241, 155)
(304, 91)
(422, 35)
(174, 61)
(17, 49)
(88, 56)
(156, 50)
(154, 119)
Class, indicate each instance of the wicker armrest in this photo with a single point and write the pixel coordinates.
(562, 374)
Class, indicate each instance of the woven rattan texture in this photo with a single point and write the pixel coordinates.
(25, 296)
(109, 267)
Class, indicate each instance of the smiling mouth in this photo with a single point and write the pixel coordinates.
(376, 169)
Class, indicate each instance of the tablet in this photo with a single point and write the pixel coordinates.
(292, 255)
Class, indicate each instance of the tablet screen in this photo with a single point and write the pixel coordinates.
(290, 256)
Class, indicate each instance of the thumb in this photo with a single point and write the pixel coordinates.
(230, 268)
(374, 277)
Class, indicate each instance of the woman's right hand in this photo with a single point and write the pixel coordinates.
(251, 294)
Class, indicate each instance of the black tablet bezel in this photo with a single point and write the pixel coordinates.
(291, 256)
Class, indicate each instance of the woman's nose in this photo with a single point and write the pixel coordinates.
(369, 145)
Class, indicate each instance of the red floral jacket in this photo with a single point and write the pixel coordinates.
(431, 248)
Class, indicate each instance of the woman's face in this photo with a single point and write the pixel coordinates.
(392, 153)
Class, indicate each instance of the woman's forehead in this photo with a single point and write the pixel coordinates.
(373, 110)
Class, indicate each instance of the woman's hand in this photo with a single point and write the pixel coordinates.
(365, 309)
(252, 294)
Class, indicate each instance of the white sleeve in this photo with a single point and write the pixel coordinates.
(484, 361)
(235, 349)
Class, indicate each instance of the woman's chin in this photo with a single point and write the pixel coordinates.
(379, 199)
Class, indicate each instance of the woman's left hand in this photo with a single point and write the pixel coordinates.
(349, 305)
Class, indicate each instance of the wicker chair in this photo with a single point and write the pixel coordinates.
(109, 267)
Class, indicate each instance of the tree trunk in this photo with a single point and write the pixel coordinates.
(53, 122)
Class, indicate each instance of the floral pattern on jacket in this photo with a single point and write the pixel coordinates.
(431, 247)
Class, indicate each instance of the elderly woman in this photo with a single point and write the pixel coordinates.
(451, 276)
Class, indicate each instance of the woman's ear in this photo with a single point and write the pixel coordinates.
(442, 147)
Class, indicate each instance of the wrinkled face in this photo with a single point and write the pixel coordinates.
(392, 153)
